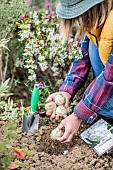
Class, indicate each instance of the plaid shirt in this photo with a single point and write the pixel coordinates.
(97, 92)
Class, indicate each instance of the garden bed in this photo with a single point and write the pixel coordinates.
(49, 154)
(46, 154)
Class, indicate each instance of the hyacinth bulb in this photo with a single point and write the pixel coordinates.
(61, 111)
(50, 106)
(56, 133)
(60, 99)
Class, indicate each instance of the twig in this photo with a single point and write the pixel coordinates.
(1, 79)
(12, 78)
(5, 69)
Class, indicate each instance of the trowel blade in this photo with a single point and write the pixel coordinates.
(30, 122)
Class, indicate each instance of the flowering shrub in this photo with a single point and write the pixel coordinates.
(9, 13)
(10, 10)
(43, 48)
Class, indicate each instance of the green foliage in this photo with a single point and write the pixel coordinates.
(9, 115)
(39, 51)
(4, 89)
(3, 69)
(6, 151)
(28, 152)
(8, 109)
(10, 11)
(3, 43)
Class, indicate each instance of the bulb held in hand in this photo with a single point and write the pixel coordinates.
(61, 111)
(50, 106)
(56, 133)
(60, 99)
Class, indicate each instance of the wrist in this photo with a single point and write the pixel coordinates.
(69, 96)
(80, 120)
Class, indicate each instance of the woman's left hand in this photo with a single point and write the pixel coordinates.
(71, 124)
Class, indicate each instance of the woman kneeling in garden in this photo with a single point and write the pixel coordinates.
(95, 19)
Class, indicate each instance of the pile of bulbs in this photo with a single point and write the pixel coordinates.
(58, 107)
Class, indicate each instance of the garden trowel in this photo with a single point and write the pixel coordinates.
(31, 121)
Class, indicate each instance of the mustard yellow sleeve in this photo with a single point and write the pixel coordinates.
(92, 38)
(106, 39)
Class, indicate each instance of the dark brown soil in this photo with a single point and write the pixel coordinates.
(50, 155)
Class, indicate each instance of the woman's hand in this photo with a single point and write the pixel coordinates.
(71, 125)
(52, 98)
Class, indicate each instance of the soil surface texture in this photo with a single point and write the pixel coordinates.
(52, 155)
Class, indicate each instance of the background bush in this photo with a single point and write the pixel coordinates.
(10, 11)
(35, 51)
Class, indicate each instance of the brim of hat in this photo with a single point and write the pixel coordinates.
(75, 10)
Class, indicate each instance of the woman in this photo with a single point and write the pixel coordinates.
(96, 29)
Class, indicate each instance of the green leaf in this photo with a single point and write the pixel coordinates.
(5, 161)
(2, 168)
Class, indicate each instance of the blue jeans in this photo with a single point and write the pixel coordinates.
(97, 66)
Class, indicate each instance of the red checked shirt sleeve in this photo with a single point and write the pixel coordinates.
(96, 94)
(78, 71)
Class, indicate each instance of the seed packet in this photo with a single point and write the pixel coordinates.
(99, 136)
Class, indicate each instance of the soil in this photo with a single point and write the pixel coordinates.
(52, 155)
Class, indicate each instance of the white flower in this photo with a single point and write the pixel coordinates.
(35, 15)
(55, 69)
(39, 33)
(31, 34)
(43, 66)
(55, 74)
(41, 58)
(33, 77)
(70, 40)
(31, 71)
(43, 29)
(42, 42)
(63, 42)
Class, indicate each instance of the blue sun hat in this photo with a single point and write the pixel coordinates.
(73, 8)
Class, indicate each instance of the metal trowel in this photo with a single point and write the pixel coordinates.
(31, 121)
